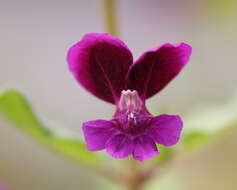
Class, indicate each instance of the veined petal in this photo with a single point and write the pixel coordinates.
(166, 129)
(97, 133)
(145, 148)
(157, 67)
(100, 63)
(120, 146)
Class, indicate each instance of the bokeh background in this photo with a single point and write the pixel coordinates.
(34, 38)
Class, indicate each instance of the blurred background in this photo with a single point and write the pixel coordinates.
(35, 37)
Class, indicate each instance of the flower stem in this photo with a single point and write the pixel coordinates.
(135, 175)
(110, 17)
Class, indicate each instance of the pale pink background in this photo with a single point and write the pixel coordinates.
(35, 36)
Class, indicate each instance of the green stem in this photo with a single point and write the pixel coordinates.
(110, 17)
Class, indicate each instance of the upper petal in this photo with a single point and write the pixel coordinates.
(120, 146)
(100, 64)
(97, 133)
(157, 67)
(166, 129)
(145, 148)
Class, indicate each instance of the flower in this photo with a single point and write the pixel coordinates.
(104, 66)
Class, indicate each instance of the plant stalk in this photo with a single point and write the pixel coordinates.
(110, 17)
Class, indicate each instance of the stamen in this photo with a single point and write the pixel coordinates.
(130, 101)
(132, 118)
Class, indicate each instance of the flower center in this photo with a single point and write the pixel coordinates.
(131, 115)
(130, 101)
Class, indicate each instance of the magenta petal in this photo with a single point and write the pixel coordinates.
(120, 146)
(97, 133)
(145, 148)
(100, 63)
(166, 129)
(157, 67)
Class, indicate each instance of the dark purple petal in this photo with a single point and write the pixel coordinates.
(166, 129)
(120, 146)
(157, 67)
(100, 64)
(145, 148)
(97, 133)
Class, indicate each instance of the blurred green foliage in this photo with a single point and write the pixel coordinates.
(222, 9)
(17, 110)
(209, 124)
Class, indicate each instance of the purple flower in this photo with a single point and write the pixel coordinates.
(104, 66)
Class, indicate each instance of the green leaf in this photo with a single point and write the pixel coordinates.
(193, 140)
(166, 153)
(16, 109)
(208, 125)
